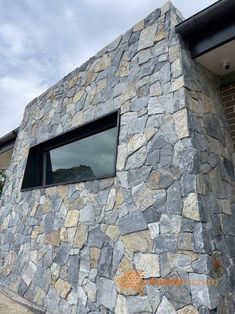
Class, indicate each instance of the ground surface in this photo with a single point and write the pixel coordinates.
(8, 306)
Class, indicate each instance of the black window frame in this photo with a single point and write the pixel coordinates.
(35, 168)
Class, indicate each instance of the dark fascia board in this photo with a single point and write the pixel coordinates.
(7, 141)
(209, 28)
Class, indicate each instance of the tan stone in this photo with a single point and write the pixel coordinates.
(62, 287)
(128, 93)
(137, 242)
(53, 238)
(149, 132)
(135, 142)
(139, 26)
(101, 85)
(39, 295)
(81, 236)
(155, 89)
(72, 218)
(91, 75)
(63, 234)
(181, 123)
(73, 81)
(189, 309)
(103, 63)
(94, 257)
(177, 83)
(154, 180)
(207, 104)
(35, 232)
(119, 198)
(123, 69)
(112, 232)
(121, 157)
(78, 96)
(191, 207)
(149, 263)
(225, 206)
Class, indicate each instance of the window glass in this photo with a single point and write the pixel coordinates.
(85, 159)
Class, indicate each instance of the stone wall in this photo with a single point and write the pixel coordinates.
(214, 235)
(82, 248)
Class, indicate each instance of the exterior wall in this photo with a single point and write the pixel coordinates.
(228, 98)
(214, 235)
(75, 248)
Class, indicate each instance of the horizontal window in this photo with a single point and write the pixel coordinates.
(85, 153)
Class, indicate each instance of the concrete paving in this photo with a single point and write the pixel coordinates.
(8, 306)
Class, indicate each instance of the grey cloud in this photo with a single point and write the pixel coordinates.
(41, 41)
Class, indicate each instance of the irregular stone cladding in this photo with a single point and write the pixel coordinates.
(212, 164)
(68, 248)
(228, 98)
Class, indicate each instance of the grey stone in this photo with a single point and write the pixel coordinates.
(151, 215)
(165, 307)
(52, 301)
(107, 293)
(105, 261)
(152, 17)
(62, 254)
(131, 223)
(157, 142)
(202, 294)
(73, 270)
(137, 159)
(96, 237)
(138, 176)
(118, 253)
(165, 243)
(174, 202)
(153, 296)
(87, 213)
(212, 125)
(138, 304)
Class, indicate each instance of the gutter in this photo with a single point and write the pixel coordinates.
(209, 28)
(7, 141)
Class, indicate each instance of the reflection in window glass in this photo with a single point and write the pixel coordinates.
(89, 158)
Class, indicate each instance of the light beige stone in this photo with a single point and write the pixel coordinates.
(143, 196)
(119, 198)
(123, 69)
(181, 123)
(191, 207)
(94, 257)
(154, 229)
(177, 83)
(62, 287)
(90, 290)
(78, 96)
(137, 241)
(225, 206)
(139, 26)
(147, 37)
(135, 142)
(121, 305)
(112, 232)
(149, 263)
(111, 200)
(155, 89)
(102, 63)
(72, 218)
(81, 236)
(189, 309)
(121, 157)
(149, 132)
(39, 295)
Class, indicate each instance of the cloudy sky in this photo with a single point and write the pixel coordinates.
(43, 40)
